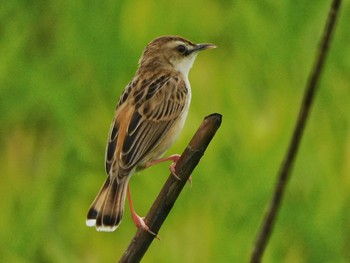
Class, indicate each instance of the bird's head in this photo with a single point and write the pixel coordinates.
(171, 52)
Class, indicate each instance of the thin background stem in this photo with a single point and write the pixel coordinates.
(286, 167)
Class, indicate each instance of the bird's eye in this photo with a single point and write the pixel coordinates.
(181, 48)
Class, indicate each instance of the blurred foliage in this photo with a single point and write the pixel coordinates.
(63, 65)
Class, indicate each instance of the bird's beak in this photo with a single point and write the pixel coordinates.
(200, 47)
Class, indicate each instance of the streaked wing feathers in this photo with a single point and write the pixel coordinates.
(111, 145)
(156, 106)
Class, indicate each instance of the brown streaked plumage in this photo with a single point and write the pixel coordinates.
(149, 117)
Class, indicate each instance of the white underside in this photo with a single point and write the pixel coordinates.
(184, 67)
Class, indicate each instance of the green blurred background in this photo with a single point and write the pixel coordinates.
(63, 65)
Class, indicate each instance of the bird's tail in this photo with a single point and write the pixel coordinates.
(107, 210)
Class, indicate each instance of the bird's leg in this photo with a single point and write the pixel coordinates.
(138, 221)
(174, 158)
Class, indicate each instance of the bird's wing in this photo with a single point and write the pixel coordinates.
(142, 120)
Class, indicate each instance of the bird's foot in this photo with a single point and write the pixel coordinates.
(140, 223)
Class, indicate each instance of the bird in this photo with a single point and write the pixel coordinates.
(149, 117)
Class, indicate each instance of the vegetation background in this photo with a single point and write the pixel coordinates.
(63, 65)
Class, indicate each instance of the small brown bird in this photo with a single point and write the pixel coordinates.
(148, 119)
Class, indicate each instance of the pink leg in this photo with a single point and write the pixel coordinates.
(174, 158)
(138, 221)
